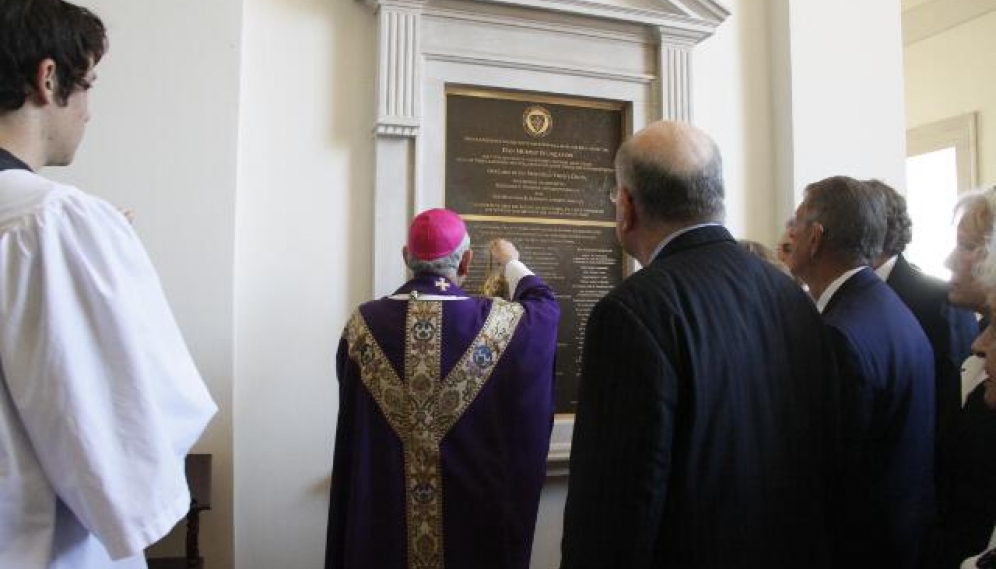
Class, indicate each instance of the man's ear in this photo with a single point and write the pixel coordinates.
(46, 81)
(627, 210)
(816, 239)
(464, 268)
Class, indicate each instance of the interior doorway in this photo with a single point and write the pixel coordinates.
(940, 165)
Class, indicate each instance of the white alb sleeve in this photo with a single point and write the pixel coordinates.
(98, 371)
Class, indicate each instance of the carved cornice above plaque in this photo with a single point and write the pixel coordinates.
(703, 15)
(680, 37)
(674, 26)
(530, 64)
(692, 15)
(412, 4)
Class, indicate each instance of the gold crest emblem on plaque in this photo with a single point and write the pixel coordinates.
(537, 121)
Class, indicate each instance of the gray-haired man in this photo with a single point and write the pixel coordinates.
(887, 403)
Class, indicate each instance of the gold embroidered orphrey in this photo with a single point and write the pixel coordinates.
(423, 408)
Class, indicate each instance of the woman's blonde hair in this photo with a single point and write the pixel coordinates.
(977, 210)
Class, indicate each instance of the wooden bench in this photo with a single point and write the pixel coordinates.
(198, 467)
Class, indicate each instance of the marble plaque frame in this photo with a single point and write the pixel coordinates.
(634, 51)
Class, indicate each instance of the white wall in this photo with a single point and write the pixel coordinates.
(732, 102)
(162, 141)
(302, 261)
(846, 91)
(951, 74)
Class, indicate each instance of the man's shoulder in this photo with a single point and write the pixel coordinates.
(915, 286)
(861, 298)
(24, 196)
(23, 193)
(668, 283)
(721, 268)
(395, 305)
(927, 297)
(376, 307)
(650, 284)
(872, 314)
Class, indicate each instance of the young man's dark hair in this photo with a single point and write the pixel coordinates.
(34, 30)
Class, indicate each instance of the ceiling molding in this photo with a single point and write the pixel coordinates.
(932, 18)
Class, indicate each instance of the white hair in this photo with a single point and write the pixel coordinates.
(983, 203)
(445, 266)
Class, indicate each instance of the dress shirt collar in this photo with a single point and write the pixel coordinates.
(834, 286)
(885, 269)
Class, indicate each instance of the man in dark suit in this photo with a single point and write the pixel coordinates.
(703, 429)
(949, 329)
(887, 376)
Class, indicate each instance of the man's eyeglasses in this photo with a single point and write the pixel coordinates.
(614, 193)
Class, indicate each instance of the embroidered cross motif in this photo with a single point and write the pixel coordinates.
(422, 408)
(442, 284)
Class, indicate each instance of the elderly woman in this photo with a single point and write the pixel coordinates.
(985, 346)
(976, 212)
(973, 286)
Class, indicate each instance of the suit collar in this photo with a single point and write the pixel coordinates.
(858, 281)
(694, 237)
(884, 271)
(901, 270)
(833, 287)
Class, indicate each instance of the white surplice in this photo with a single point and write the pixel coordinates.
(100, 400)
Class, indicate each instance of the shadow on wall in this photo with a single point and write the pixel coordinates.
(306, 170)
(352, 109)
(762, 207)
(353, 117)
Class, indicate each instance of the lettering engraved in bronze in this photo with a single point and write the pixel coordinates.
(580, 263)
(531, 158)
(536, 169)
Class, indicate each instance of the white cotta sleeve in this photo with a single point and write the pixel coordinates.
(97, 369)
(515, 271)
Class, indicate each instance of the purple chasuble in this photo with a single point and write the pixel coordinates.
(445, 410)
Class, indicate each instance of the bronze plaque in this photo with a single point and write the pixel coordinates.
(536, 170)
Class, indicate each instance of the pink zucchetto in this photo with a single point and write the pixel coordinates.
(435, 233)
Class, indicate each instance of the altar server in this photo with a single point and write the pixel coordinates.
(99, 398)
